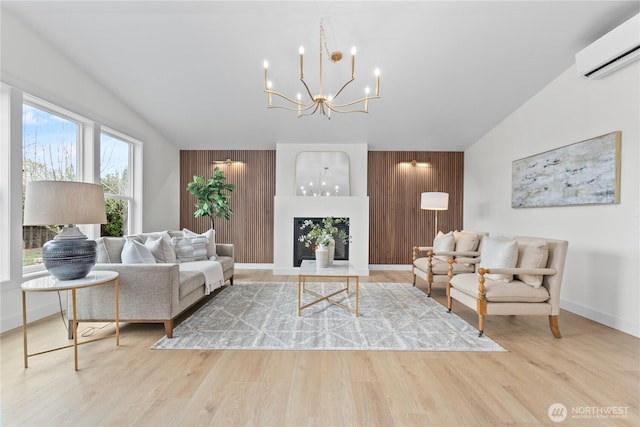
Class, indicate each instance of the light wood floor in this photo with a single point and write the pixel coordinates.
(592, 368)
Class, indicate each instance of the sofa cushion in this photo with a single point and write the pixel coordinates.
(499, 253)
(211, 239)
(161, 248)
(442, 267)
(444, 243)
(189, 249)
(134, 252)
(143, 237)
(109, 249)
(532, 253)
(514, 291)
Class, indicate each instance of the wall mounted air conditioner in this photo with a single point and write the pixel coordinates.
(616, 49)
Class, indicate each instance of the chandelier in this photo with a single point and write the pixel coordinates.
(321, 102)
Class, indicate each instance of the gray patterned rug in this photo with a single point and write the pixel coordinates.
(263, 316)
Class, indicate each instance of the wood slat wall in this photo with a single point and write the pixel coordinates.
(250, 228)
(396, 221)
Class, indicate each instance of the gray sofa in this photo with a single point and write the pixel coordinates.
(148, 293)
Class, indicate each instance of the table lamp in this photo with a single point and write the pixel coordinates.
(70, 255)
(435, 201)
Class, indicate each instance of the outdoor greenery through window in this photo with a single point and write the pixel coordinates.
(115, 178)
(49, 152)
(57, 145)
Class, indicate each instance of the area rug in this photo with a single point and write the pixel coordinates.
(263, 316)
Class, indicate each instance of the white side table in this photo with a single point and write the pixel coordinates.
(49, 284)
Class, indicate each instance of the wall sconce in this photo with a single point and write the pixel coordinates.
(417, 164)
(228, 162)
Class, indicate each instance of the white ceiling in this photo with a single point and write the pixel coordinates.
(451, 70)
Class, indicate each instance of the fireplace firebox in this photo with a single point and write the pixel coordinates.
(301, 252)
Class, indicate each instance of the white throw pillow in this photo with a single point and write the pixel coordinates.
(444, 243)
(161, 248)
(499, 253)
(210, 234)
(134, 252)
(532, 254)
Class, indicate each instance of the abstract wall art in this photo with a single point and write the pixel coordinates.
(583, 173)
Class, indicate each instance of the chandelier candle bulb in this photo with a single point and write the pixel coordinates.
(266, 75)
(301, 50)
(353, 61)
(377, 73)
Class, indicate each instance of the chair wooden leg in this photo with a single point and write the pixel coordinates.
(449, 299)
(428, 289)
(480, 325)
(414, 279)
(555, 328)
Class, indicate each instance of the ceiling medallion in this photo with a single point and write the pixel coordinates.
(321, 102)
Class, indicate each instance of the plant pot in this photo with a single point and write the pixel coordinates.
(322, 257)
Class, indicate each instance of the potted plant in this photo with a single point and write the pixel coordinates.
(324, 235)
(212, 195)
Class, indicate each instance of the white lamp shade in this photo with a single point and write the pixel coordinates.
(63, 202)
(434, 201)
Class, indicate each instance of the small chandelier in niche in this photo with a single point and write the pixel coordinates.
(322, 189)
(323, 103)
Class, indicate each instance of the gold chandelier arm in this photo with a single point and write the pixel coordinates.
(307, 88)
(272, 92)
(342, 88)
(298, 105)
(335, 106)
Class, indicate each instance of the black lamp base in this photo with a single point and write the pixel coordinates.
(69, 259)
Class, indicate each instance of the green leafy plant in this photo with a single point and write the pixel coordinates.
(321, 234)
(213, 196)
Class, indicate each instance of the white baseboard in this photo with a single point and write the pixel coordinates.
(247, 266)
(390, 267)
(606, 319)
(40, 312)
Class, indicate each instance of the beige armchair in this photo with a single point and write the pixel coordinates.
(430, 262)
(531, 287)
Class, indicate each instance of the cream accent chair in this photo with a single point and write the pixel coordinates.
(517, 297)
(434, 268)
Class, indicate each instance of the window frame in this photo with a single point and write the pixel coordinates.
(87, 170)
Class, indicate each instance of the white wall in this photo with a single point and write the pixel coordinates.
(33, 66)
(602, 277)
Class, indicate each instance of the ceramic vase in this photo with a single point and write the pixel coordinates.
(322, 257)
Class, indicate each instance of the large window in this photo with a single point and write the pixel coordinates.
(50, 146)
(59, 145)
(115, 161)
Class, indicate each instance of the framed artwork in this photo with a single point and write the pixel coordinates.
(583, 173)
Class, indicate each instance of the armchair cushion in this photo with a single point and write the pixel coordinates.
(466, 241)
(443, 243)
(499, 253)
(495, 291)
(532, 254)
(439, 267)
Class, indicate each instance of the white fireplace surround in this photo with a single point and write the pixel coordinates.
(287, 206)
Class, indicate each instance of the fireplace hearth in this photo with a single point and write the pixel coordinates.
(301, 252)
